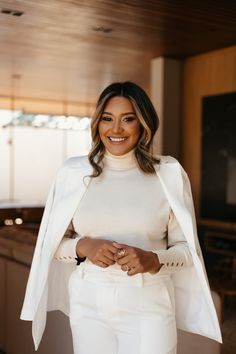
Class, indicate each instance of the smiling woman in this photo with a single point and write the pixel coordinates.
(124, 112)
(119, 128)
(131, 228)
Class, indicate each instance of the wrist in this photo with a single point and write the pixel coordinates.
(81, 247)
(156, 264)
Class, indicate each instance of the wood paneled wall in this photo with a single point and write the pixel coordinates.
(43, 106)
(203, 75)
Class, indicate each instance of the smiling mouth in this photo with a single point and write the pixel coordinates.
(117, 140)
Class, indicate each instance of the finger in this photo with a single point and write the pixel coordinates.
(108, 254)
(101, 264)
(125, 268)
(106, 257)
(107, 261)
(119, 245)
(106, 249)
(133, 271)
(112, 248)
(123, 260)
(121, 253)
(130, 270)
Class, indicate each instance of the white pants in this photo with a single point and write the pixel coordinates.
(112, 313)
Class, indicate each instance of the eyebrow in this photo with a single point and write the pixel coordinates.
(123, 114)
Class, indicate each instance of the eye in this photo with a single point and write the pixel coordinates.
(106, 119)
(129, 119)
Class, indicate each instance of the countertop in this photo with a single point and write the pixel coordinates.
(18, 243)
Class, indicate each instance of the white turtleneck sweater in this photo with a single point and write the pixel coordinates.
(128, 206)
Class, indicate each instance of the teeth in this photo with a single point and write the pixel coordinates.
(116, 139)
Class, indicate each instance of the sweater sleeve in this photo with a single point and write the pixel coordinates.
(66, 251)
(177, 255)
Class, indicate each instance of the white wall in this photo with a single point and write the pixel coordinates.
(26, 174)
(4, 164)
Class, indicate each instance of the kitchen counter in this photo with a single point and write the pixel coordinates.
(18, 243)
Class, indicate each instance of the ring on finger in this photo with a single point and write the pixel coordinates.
(121, 252)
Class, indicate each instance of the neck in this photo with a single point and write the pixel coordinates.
(120, 162)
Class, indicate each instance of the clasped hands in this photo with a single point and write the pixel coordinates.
(104, 253)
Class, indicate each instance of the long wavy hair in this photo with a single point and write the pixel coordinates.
(148, 119)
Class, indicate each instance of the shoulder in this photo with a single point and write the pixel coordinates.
(170, 162)
(167, 159)
(76, 162)
(172, 172)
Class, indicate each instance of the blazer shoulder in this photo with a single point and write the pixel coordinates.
(167, 159)
(76, 162)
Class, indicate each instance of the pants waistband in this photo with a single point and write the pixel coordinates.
(111, 276)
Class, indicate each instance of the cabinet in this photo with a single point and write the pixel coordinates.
(16, 250)
(218, 242)
(57, 338)
(2, 302)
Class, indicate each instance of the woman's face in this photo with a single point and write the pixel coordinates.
(119, 127)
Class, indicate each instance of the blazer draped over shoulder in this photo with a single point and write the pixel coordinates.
(47, 287)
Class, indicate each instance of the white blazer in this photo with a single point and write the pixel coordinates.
(47, 287)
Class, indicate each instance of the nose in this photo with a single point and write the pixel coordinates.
(117, 127)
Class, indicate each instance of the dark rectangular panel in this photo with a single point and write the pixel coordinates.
(218, 172)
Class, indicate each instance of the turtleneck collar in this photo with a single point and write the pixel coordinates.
(122, 162)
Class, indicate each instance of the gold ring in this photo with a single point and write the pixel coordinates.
(121, 252)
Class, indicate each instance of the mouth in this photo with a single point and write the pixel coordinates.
(117, 140)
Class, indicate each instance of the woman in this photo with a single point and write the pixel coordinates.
(132, 231)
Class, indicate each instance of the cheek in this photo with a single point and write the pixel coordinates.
(100, 129)
(136, 132)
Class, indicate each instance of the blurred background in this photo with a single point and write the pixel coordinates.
(56, 56)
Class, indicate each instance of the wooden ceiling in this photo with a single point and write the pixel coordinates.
(71, 49)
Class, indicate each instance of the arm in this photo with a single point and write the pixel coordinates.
(66, 251)
(75, 247)
(177, 256)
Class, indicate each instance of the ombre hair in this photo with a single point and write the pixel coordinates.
(146, 115)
